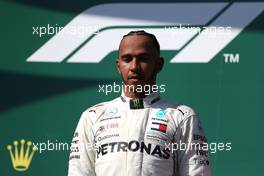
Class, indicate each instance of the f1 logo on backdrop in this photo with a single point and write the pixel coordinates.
(115, 20)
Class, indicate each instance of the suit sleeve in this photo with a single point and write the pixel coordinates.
(82, 156)
(192, 160)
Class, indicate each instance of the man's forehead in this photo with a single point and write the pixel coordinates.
(136, 42)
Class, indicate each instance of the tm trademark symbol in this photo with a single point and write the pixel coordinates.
(231, 58)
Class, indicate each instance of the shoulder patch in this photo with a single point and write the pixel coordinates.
(180, 111)
(185, 110)
(92, 111)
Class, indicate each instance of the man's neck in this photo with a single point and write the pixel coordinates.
(135, 94)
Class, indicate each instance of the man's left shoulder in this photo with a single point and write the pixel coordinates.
(180, 110)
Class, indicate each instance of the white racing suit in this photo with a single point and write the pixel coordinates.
(139, 137)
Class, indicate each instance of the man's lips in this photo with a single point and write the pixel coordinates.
(134, 77)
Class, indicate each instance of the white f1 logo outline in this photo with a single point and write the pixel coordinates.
(193, 47)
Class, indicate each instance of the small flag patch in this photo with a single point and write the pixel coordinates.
(159, 127)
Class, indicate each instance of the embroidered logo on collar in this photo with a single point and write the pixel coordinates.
(136, 104)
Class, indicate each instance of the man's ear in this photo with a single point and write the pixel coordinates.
(117, 65)
(160, 64)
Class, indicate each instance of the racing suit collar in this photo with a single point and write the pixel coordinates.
(140, 103)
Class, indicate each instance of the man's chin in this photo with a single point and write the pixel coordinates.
(135, 82)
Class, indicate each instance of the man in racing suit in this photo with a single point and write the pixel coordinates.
(138, 134)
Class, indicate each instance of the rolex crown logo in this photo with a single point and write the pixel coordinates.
(21, 160)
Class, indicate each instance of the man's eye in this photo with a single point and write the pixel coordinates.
(143, 59)
(127, 59)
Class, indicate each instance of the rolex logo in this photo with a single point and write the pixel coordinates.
(21, 158)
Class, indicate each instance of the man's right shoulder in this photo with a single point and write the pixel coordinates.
(96, 111)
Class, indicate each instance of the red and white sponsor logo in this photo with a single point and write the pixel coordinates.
(159, 127)
(108, 126)
(111, 125)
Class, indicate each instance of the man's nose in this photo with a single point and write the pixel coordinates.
(134, 64)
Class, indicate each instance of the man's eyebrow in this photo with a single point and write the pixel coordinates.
(143, 54)
(125, 55)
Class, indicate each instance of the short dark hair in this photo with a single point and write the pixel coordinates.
(151, 36)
